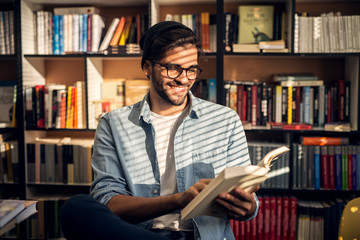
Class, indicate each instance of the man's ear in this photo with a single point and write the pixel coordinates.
(147, 68)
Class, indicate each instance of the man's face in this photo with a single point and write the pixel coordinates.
(174, 91)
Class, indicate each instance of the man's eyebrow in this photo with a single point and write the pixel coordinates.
(174, 64)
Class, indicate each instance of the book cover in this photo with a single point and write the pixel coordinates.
(255, 23)
(246, 177)
(109, 34)
(9, 209)
(135, 90)
(7, 91)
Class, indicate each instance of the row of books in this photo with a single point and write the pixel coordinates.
(59, 161)
(115, 93)
(290, 218)
(288, 103)
(319, 219)
(326, 167)
(278, 176)
(123, 35)
(203, 25)
(327, 33)
(9, 161)
(276, 219)
(70, 33)
(45, 224)
(55, 106)
(7, 42)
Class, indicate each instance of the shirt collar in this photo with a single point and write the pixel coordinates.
(143, 107)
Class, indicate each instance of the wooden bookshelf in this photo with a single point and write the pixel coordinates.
(30, 69)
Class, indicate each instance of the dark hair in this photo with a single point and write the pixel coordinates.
(165, 36)
(170, 40)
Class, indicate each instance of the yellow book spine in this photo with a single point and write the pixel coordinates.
(290, 97)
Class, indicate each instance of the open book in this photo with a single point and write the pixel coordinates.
(246, 177)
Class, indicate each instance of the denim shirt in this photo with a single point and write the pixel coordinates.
(210, 138)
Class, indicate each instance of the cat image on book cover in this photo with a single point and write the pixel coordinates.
(246, 177)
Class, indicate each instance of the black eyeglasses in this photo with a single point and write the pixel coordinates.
(174, 71)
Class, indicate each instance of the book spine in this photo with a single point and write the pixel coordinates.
(289, 104)
(254, 89)
(317, 164)
(324, 167)
(338, 167)
(344, 167)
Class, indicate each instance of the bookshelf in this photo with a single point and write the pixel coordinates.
(29, 69)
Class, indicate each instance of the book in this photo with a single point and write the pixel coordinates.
(255, 23)
(76, 10)
(302, 83)
(337, 127)
(324, 140)
(246, 177)
(7, 91)
(9, 209)
(245, 47)
(135, 90)
(276, 44)
(109, 34)
(119, 30)
(13, 212)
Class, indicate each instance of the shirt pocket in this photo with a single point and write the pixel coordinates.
(208, 164)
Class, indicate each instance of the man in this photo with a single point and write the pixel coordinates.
(152, 158)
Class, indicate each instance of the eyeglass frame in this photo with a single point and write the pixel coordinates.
(182, 69)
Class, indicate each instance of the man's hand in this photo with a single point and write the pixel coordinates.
(192, 192)
(238, 203)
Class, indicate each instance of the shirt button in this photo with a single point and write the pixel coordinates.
(155, 191)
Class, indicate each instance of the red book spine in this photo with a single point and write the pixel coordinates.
(324, 167)
(272, 217)
(331, 164)
(89, 32)
(63, 110)
(341, 95)
(329, 100)
(279, 217)
(242, 229)
(285, 218)
(266, 217)
(292, 218)
(244, 96)
(260, 219)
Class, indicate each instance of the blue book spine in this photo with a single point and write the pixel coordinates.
(56, 40)
(353, 167)
(317, 173)
(212, 89)
(357, 153)
(84, 32)
(338, 168)
(61, 34)
(80, 21)
(307, 103)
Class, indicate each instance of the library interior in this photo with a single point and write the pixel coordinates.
(287, 71)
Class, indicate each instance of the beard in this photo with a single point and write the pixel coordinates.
(166, 95)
